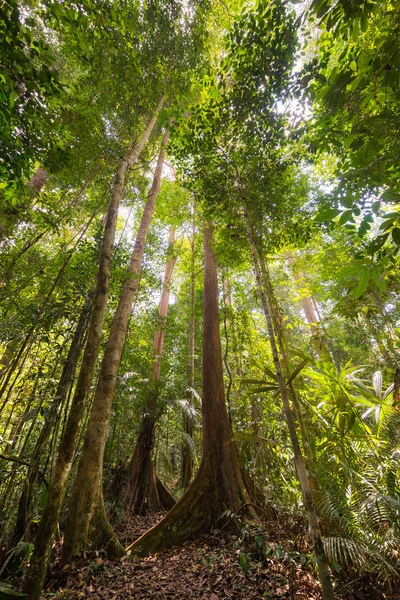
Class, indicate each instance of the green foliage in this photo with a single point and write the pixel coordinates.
(289, 134)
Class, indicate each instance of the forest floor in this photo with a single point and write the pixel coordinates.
(217, 567)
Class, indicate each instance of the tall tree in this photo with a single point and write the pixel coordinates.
(187, 461)
(87, 519)
(145, 492)
(59, 480)
(219, 485)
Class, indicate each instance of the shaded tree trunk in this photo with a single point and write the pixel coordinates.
(87, 519)
(315, 533)
(218, 486)
(145, 491)
(47, 528)
(187, 458)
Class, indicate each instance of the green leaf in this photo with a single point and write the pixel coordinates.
(345, 216)
(390, 196)
(347, 201)
(362, 283)
(297, 370)
(326, 215)
(375, 207)
(350, 270)
(321, 92)
(386, 225)
(396, 235)
(376, 276)
(7, 592)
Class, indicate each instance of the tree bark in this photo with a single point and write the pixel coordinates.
(218, 486)
(187, 459)
(38, 180)
(87, 519)
(145, 491)
(312, 318)
(47, 528)
(323, 568)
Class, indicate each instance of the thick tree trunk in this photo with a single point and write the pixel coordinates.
(145, 491)
(219, 485)
(47, 528)
(24, 504)
(187, 459)
(86, 518)
(323, 568)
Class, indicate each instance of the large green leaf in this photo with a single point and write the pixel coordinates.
(362, 283)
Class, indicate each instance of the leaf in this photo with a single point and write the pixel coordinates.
(297, 370)
(362, 283)
(387, 224)
(28, 416)
(390, 196)
(270, 373)
(377, 278)
(347, 201)
(396, 235)
(326, 215)
(345, 216)
(377, 382)
(321, 92)
(353, 269)
(7, 592)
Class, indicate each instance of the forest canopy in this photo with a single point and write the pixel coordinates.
(199, 290)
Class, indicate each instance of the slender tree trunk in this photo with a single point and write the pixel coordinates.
(48, 524)
(8, 356)
(38, 180)
(24, 505)
(145, 491)
(277, 326)
(87, 519)
(187, 458)
(218, 486)
(323, 568)
(312, 318)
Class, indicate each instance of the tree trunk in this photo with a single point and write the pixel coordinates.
(24, 505)
(312, 318)
(323, 568)
(7, 357)
(144, 485)
(218, 486)
(47, 528)
(38, 180)
(87, 519)
(187, 458)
